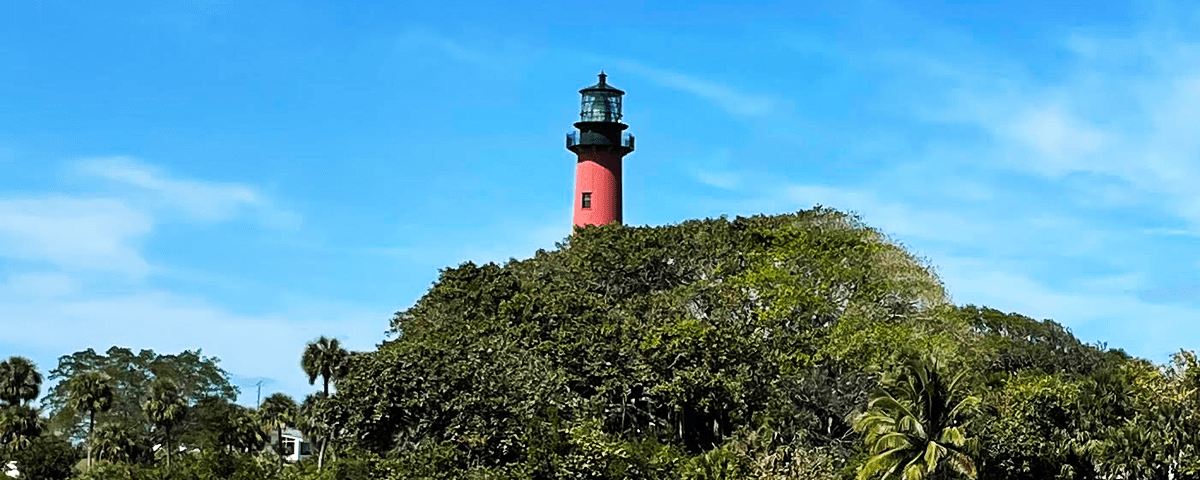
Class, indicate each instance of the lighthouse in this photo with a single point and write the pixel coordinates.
(599, 144)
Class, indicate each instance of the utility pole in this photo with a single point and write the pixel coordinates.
(258, 399)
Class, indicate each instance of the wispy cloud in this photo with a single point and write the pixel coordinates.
(74, 233)
(106, 232)
(1064, 191)
(724, 180)
(494, 57)
(83, 280)
(1122, 114)
(729, 98)
(41, 285)
(201, 200)
(248, 345)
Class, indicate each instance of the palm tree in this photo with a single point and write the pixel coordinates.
(19, 425)
(20, 381)
(327, 359)
(314, 422)
(276, 411)
(915, 425)
(247, 433)
(90, 393)
(324, 358)
(165, 407)
(115, 442)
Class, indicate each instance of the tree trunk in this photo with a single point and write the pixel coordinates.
(279, 445)
(91, 426)
(326, 379)
(167, 440)
(321, 454)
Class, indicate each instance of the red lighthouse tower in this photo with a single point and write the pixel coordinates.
(599, 146)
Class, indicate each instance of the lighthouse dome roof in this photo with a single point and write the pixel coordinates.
(603, 86)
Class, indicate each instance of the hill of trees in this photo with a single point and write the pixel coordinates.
(804, 346)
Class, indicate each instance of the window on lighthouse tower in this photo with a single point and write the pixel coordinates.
(587, 200)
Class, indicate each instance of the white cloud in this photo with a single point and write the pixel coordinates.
(1064, 191)
(729, 98)
(1121, 319)
(68, 298)
(1119, 112)
(41, 285)
(724, 180)
(200, 200)
(74, 233)
(1058, 137)
(98, 233)
(248, 345)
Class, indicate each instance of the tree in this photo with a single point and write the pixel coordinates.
(131, 375)
(20, 381)
(118, 440)
(316, 421)
(247, 432)
(325, 358)
(166, 407)
(46, 457)
(19, 425)
(210, 424)
(1033, 430)
(915, 425)
(679, 335)
(277, 411)
(89, 394)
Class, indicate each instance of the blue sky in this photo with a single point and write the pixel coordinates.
(244, 177)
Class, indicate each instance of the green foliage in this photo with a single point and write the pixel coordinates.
(216, 465)
(277, 411)
(165, 407)
(118, 440)
(1032, 433)
(46, 457)
(768, 348)
(131, 375)
(917, 425)
(89, 394)
(678, 336)
(19, 425)
(214, 423)
(20, 381)
(1015, 343)
(324, 358)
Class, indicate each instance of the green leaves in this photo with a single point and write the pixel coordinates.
(20, 381)
(90, 393)
(684, 335)
(130, 376)
(916, 425)
(324, 358)
(768, 347)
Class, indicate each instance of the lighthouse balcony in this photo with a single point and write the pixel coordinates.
(591, 138)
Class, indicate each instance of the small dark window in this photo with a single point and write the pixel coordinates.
(587, 199)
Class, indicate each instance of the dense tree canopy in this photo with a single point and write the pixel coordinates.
(677, 338)
(196, 376)
(801, 346)
(20, 382)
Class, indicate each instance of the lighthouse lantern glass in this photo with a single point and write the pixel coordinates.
(601, 106)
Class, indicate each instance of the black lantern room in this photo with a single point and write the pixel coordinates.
(600, 103)
(600, 120)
